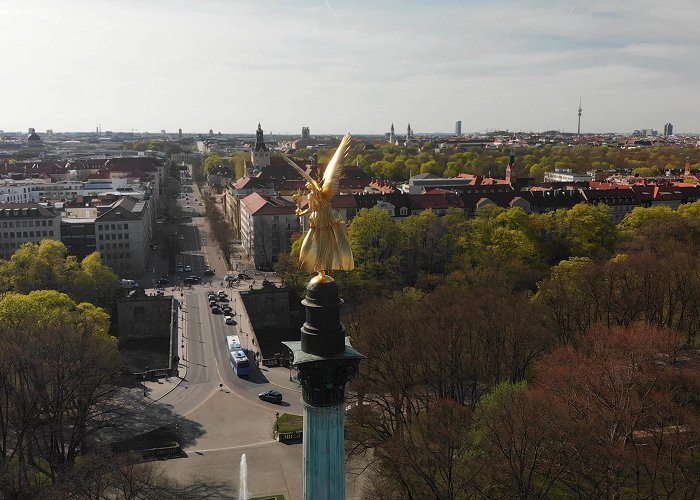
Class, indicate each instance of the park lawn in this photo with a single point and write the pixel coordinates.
(290, 423)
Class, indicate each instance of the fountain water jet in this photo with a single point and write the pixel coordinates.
(243, 493)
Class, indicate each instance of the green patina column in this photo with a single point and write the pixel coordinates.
(326, 362)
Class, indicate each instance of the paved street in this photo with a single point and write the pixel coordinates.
(219, 424)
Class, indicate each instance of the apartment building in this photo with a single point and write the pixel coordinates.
(22, 223)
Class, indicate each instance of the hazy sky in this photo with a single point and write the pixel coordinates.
(348, 65)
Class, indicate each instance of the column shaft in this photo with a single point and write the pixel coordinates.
(324, 452)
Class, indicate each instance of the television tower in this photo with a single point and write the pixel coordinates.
(579, 117)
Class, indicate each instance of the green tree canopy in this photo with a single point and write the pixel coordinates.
(47, 266)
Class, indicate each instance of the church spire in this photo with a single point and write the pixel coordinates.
(511, 170)
(259, 139)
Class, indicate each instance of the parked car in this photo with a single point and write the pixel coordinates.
(163, 282)
(271, 396)
(198, 279)
(190, 281)
(208, 271)
(228, 319)
(215, 309)
(180, 268)
(226, 308)
(244, 276)
(221, 294)
(231, 278)
(188, 269)
(211, 295)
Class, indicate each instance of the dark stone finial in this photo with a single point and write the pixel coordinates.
(322, 333)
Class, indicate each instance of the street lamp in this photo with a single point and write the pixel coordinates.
(145, 376)
(277, 422)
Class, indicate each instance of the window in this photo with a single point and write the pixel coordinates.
(50, 223)
(113, 226)
(99, 237)
(50, 233)
(126, 236)
(126, 226)
(404, 211)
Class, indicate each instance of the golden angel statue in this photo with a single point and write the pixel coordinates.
(325, 247)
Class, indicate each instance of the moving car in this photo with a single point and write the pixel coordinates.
(197, 279)
(208, 271)
(231, 278)
(190, 281)
(180, 268)
(244, 276)
(228, 319)
(271, 396)
(163, 282)
(221, 294)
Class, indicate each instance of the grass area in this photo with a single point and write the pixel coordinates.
(290, 423)
(269, 497)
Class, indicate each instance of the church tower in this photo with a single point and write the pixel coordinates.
(392, 135)
(511, 170)
(409, 134)
(260, 156)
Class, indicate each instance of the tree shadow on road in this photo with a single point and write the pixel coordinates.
(136, 415)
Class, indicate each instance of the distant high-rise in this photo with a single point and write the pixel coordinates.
(305, 133)
(578, 130)
(179, 133)
(458, 127)
(668, 129)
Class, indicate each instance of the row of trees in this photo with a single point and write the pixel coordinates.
(398, 164)
(507, 247)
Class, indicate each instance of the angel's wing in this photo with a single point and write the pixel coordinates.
(334, 169)
(301, 171)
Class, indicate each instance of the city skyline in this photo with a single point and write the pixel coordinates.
(520, 66)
